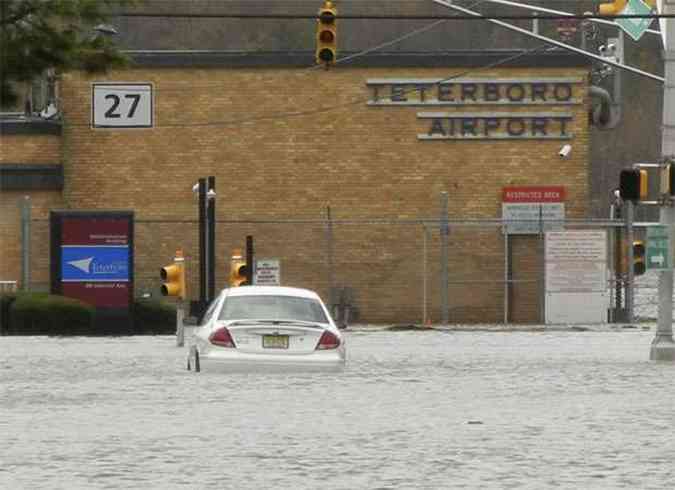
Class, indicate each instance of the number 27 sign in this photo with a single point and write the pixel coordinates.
(122, 105)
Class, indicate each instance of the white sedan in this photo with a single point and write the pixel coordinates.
(252, 326)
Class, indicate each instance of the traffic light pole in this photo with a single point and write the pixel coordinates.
(211, 241)
(663, 348)
(202, 246)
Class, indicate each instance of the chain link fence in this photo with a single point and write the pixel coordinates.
(380, 271)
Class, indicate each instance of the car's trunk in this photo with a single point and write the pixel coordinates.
(275, 339)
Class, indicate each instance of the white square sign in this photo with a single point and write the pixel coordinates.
(267, 272)
(122, 105)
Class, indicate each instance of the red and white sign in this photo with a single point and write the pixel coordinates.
(533, 209)
(533, 194)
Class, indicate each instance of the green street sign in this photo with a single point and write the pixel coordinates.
(658, 252)
(635, 28)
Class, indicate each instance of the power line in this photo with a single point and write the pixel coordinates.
(320, 110)
(392, 17)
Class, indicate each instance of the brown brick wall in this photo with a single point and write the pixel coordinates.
(18, 149)
(10, 235)
(365, 162)
(26, 149)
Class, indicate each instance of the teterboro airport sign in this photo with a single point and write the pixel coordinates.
(503, 93)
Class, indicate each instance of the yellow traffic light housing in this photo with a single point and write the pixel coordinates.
(667, 180)
(633, 185)
(639, 251)
(238, 269)
(326, 34)
(612, 8)
(173, 277)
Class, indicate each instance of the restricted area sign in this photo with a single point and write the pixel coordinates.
(658, 251)
(267, 272)
(532, 209)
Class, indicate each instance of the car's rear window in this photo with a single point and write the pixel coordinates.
(268, 307)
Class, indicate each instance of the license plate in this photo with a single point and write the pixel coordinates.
(275, 341)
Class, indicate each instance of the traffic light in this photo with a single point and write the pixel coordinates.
(238, 269)
(173, 277)
(326, 34)
(639, 265)
(668, 180)
(612, 8)
(633, 185)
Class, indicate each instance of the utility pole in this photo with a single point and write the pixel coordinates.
(663, 348)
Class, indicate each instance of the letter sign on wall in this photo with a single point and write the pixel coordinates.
(121, 105)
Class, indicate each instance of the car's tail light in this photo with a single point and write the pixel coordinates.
(222, 338)
(328, 341)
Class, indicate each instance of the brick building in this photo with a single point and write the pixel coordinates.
(376, 141)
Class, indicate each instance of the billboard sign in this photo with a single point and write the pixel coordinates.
(92, 258)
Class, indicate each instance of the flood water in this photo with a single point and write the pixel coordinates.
(420, 410)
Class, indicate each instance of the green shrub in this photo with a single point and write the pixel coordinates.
(154, 317)
(6, 300)
(47, 314)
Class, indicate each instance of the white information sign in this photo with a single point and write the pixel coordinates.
(267, 272)
(526, 218)
(122, 105)
(576, 277)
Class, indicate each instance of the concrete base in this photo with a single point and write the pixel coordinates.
(663, 349)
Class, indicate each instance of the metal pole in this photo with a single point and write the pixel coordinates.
(329, 259)
(424, 277)
(630, 273)
(507, 277)
(618, 268)
(180, 326)
(25, 243)
(663, 347)
(203, 266)
(250, 262)
(211, 233)
(445, 231)
(542, 280)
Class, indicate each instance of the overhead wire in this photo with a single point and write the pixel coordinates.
(358, 101)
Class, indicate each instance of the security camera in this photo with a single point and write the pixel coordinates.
(106, 29)
(565, 151)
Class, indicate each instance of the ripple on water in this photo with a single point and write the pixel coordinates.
(410, 410)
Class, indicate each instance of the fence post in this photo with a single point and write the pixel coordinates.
(445, 230)
(542, 280)
(25, 242)
(425, 316)
(507, 275)
(629, 259)
(329, 259)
